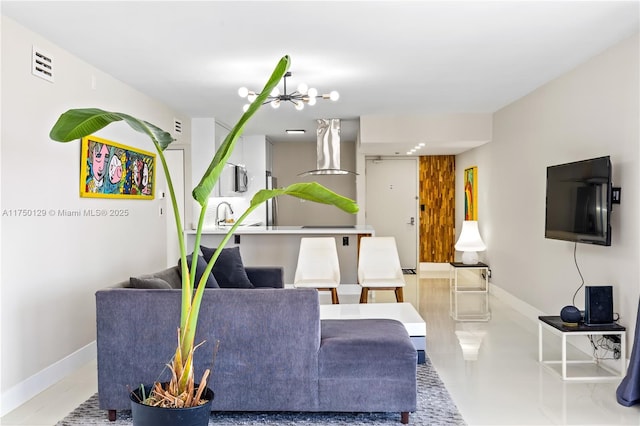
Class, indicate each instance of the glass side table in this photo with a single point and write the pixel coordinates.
(469, 292)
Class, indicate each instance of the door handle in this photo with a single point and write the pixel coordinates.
(412, 221)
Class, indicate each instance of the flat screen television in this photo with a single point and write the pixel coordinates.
(578, 206)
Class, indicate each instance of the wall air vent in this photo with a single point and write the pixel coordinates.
(177, 126)
(42, 64)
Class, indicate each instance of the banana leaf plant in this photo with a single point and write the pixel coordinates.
(78, 123)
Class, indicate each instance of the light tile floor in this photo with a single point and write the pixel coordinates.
(497, 380)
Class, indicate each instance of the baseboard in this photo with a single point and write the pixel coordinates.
(32, 386)
(434, 270)
(515, 303)
(430, 267)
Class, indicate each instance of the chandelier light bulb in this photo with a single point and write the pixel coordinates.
(301, 96)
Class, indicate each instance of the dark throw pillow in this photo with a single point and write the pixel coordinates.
(228, 269)
(200, 267)
(149, 282)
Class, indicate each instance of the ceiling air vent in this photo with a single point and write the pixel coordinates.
(42, 64)
(177, 126)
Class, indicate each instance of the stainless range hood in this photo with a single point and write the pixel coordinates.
(328, 147)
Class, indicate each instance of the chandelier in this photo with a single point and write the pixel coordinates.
(303, 95)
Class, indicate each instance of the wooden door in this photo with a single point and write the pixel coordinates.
(437, 208)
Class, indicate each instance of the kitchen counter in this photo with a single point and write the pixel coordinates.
(279, 245)
(296, 230)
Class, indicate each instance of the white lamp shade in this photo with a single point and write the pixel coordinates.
(470, 239)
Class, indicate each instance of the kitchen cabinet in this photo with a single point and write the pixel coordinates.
(207, 136)
(226, 184)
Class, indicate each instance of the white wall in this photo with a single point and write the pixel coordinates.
(52, 265)
(441, 132)
(588, 112)
(204, 148)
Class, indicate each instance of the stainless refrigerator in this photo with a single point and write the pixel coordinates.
(272, 203)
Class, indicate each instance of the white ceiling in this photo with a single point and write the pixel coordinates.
(390, 58)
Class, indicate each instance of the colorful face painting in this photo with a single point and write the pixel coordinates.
(471, 193)
(112, 170)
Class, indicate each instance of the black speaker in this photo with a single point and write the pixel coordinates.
(598, 305)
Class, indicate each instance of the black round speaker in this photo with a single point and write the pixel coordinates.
(570, 314)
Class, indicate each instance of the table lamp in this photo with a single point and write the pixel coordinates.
(470, 242)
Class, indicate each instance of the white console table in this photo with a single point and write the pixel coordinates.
(599, 372)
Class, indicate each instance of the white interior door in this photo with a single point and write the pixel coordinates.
(392, 204)
(175, 163)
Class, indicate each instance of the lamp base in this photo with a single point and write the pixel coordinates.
(470, 257)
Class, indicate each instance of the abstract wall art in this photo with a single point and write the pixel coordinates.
(112, 170)
(471, 193)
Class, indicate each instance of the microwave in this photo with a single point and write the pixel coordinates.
(241, 179)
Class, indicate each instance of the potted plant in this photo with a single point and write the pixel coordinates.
(182, 391)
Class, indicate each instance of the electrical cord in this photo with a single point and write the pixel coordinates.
(573, 300)
(607, 345)
(575, 260)
(602, 342)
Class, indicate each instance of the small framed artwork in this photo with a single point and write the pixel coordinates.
(471, 193)
(112, 170)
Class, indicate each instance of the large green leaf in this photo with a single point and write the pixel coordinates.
(311, 191)
(202, 191)
(78, 123)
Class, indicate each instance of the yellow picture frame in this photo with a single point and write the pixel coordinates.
(471, 193)
(109, 169)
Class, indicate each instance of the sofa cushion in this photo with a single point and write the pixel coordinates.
(365, 348)
(366, 365)
(265, 276)
(148, 281)
(229, 268)
(171, 276)
(201, 265)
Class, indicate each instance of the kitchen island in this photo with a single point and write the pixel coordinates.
(279, 245)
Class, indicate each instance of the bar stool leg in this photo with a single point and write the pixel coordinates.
(364, 295)
(334, 296)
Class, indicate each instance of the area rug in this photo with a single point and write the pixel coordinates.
(435, 407)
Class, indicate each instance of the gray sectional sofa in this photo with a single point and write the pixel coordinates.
(275, 354)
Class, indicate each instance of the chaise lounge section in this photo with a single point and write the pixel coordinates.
(275, 354)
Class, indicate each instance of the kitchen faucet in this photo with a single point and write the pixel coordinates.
(228, 210)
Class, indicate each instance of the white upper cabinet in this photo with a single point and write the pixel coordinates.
(226, 183)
